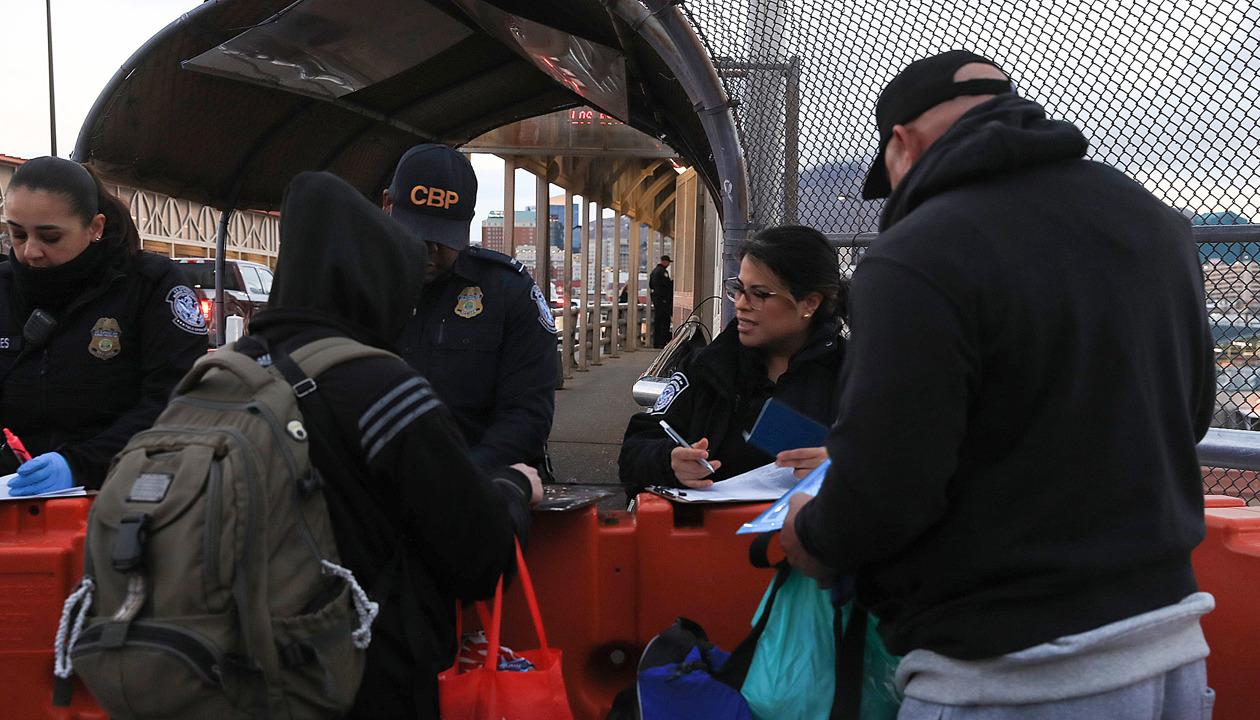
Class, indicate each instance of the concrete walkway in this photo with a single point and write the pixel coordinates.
(591, 415)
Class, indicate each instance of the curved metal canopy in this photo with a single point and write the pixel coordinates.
(228, 102)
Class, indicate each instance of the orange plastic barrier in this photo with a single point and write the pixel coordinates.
(585, 572)
(1220, 501)
(1227, 565)
(41, 560)
(607, 583)
(692, 563)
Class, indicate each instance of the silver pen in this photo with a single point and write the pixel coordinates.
(673, 435)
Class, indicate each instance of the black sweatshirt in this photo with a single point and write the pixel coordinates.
(347, 269)
(1029, 372)
(720, 395)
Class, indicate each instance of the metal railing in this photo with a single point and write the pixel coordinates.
(601, 330)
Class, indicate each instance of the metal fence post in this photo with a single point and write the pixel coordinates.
(509, 206)
(614, 314)
(542, 233)
(597, 339)
(566, 312)
(584, 361)
(632, 290)
(220, 267)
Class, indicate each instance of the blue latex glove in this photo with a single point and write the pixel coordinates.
(42, 474)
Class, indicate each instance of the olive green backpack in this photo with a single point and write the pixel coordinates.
(211, 582)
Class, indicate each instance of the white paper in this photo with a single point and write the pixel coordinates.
(767, 482)
(77, 491)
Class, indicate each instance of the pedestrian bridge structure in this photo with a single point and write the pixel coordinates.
(769, 106)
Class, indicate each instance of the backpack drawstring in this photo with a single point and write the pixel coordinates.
(81, 597)
(363, 606)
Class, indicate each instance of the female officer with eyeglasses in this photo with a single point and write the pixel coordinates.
(784, 343)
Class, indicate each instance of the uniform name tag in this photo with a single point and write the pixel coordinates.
(150, 487)
(11, 343)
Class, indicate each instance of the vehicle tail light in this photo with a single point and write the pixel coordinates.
(207, 309)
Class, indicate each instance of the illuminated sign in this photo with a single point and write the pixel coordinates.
(587, 116)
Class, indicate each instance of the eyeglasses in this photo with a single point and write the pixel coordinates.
(757, 295)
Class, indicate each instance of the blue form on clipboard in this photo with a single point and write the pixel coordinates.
(772, 518)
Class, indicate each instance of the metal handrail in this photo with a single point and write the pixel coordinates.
(1233, 449)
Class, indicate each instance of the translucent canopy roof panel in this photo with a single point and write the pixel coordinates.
(231, 100)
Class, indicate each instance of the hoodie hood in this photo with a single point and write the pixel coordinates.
(1005, 134)
(343, 262)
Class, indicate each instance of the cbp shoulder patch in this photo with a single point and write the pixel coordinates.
(185, 310)
(544, 310)
(677, 383)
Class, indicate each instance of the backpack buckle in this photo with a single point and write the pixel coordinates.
(304, 387)
(133, 531)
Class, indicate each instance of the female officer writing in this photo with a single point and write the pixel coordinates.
(94, 333)
(784, 343)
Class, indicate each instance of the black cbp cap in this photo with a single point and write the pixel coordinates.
(434, 194)
(923, 85)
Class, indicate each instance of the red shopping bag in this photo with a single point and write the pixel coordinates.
(486, 693)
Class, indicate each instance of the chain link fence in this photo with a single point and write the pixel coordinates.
(1167, 91)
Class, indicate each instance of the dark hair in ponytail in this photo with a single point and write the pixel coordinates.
(804, 259)
(86, 195)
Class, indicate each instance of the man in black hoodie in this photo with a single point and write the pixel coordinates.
(440, 528)
(1024, 532)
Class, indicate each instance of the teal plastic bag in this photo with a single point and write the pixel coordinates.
(880, 699)
(792, 675)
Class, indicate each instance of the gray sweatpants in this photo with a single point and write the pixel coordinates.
(1180, 694)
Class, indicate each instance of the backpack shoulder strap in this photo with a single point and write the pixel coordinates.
(317, 357)
(229, 360)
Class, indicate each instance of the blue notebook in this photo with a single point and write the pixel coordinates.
(780, 428)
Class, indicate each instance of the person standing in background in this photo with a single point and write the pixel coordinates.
(661, 286)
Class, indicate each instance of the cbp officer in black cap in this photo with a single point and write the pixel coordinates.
(483, 333)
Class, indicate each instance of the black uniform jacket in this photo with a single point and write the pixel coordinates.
(661, 286)
(484, 336)
(108, 370)
(391, 438)
(1030, 369)
(719, 397)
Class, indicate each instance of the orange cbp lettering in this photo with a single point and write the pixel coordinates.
(422, 195)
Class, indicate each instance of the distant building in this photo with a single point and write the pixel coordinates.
(492, 230)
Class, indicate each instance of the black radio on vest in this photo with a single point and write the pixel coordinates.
(38, 329)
